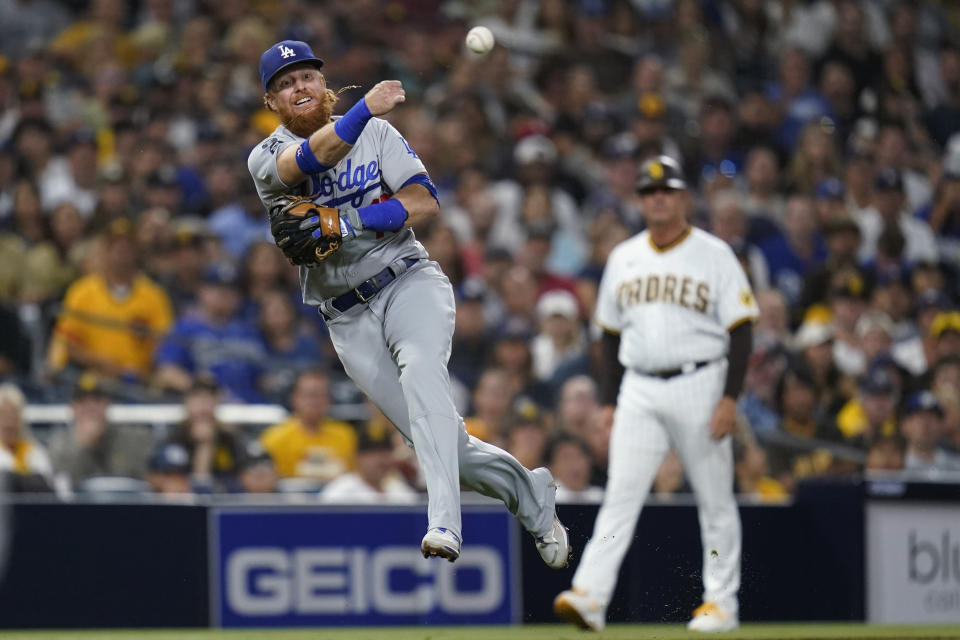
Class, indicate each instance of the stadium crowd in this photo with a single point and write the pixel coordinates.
(136, 265)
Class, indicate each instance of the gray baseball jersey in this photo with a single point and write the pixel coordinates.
(396, 346)
(377, 166)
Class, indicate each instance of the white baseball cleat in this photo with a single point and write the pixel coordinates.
(580, 609)
(711, 618)
(555, 547)
(442, 543)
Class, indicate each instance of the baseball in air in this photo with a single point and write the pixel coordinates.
(480, 40)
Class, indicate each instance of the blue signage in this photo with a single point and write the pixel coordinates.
(330, 566)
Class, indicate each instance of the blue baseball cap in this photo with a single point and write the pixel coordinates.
(878, 381)
(922, 401)
(221, 274)
(888, 180)
(932, 299)
(170, 458)
(829, 188)
(282, 55)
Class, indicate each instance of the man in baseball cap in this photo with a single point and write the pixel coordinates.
(921, 426)
(258, 474)
(170, 469)
(644, 278)
(297, 92)
(92, 446)
(888, 211)
(282, 55)
(294, 87)
(369, 206)
(660, 173)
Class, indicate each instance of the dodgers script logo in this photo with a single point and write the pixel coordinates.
(352, 183)
(286, 52)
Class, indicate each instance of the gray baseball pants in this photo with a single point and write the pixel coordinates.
(395, 348)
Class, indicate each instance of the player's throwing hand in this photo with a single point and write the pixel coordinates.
(384, 97)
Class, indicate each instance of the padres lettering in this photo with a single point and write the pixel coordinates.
(683, 291)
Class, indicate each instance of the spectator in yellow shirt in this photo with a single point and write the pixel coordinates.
(112, 321)
(309, 444)
(871, 413)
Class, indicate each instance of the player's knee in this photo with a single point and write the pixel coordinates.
(420, 363)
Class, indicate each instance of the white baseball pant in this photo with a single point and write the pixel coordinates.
(653, 416)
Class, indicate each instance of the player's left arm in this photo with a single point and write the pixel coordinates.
(415, 199)
(414, 203)
(419, 200)
(725, 413)
(736, 309)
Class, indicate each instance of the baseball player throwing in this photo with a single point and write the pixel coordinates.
(676, 310)
(342, 194)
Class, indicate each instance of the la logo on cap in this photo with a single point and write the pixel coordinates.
(286, 52)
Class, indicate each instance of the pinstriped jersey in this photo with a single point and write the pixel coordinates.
(377, 166)
(673, 305)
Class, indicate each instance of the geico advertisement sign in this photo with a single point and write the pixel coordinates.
(265, 581)
(913, 563)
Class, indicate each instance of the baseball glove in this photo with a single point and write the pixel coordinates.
(306, 232)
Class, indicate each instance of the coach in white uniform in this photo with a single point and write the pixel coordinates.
(389, 310)
(676, 312)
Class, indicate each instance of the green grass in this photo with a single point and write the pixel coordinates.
(796, 631)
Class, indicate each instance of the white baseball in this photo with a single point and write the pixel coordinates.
(480, 40)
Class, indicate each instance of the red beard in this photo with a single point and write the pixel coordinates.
(306, 122)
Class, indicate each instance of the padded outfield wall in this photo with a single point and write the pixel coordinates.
(90, 565)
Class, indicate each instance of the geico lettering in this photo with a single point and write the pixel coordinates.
(487, 561)
(384, 562)
(320, 580)
(257, 582)
(269, 581)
